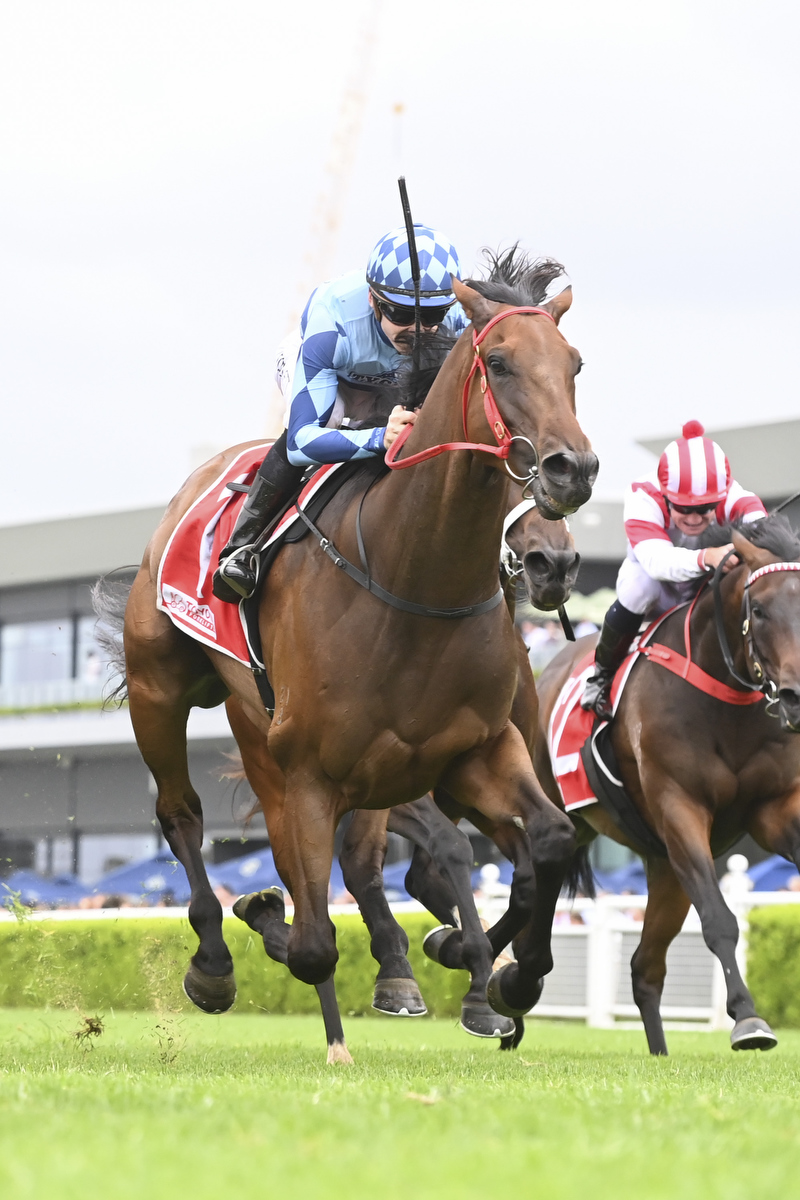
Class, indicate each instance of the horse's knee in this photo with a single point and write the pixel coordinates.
(312, 953)
(553, 840)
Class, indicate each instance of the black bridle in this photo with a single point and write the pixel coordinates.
(764, 685)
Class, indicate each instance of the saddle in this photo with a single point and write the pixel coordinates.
(191, 556)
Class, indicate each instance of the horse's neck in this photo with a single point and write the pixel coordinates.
(440, 521)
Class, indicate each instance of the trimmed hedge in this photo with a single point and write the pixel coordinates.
(140, 963)
(773, 964)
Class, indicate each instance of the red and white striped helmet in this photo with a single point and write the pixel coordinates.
(693, 469)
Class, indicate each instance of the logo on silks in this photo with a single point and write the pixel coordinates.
(199, 615)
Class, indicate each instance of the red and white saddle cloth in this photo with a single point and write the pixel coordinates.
(192, 556)
(570, 725)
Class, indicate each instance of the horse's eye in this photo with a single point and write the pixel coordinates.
(496, 365)
(758, 611)
(580, 365)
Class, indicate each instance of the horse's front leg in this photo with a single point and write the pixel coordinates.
(498, 781)
(685, 829)
(159, 720)
(361, 859)
(265, 911)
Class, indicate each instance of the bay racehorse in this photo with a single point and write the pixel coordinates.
(380, 700)
(701, 763)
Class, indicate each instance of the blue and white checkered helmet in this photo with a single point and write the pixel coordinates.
(389, 267)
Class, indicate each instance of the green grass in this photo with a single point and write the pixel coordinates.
(194, 1107)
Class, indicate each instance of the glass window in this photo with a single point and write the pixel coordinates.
(36, 652)
(91, 660)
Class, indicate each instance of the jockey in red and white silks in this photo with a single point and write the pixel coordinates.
(665, 515)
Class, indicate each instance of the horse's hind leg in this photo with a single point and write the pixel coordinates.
(445, 883)
(162, 669)
(361, 858)
(498, 780)
(667, 906)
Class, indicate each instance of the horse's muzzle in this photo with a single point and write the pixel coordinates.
(566, 480)
(550, 576)
(789, 702)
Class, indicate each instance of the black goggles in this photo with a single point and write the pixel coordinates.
(403, 314)
(686, 509)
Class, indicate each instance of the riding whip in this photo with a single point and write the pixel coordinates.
(412, 251)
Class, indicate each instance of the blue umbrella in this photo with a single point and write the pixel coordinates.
(630, 878)
(152, 878)
(33, 889)
(250, 873)
(394, 880)
(773, 874)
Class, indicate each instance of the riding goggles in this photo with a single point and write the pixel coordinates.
(403, 314)
(686, 509)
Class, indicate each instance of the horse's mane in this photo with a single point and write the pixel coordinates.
(773, 533)
(415, 378)
(515, 277)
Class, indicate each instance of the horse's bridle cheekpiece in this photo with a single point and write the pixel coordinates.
(765, 685)
(496, 422)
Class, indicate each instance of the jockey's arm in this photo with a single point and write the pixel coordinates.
(646, 521)
(314, 390)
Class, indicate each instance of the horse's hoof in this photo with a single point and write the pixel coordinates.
(494, 993)
(255, 904)
(211, 993)
(752, 1034)
(482, 1021)
(338, 1053)
(398, 998)
(434, 942)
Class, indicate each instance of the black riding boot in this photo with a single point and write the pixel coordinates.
(277, 479)
(619, 629)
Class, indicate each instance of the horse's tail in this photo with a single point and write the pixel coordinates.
(579, 878)
(109, 601)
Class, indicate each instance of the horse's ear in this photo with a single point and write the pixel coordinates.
(753, 556)
(479, 310)
(559, 304)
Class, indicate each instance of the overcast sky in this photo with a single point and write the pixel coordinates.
(160, 163)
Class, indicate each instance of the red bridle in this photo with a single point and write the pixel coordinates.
(496, 422)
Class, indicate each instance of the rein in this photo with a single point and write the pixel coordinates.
(496, 422)
(501, 450)
(683, 666)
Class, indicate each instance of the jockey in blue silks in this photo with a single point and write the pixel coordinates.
(356, 331)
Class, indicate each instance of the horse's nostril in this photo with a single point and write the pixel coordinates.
(562, 468)
(538, 566)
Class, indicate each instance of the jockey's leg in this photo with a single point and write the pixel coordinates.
(636, 592)
(235, 578)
